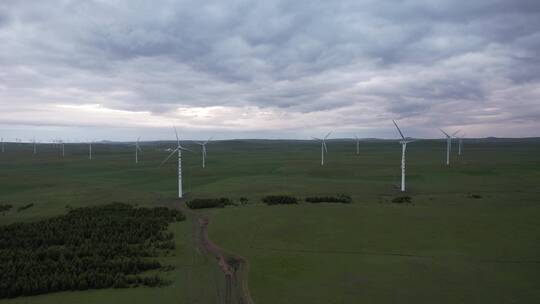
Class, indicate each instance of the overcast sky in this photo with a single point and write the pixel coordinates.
(268, 69)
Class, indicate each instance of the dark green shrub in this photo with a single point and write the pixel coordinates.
(25, 207)
(5, 207)
(475, 196)
(402, 199)
(279, 200)
(244, 200)
(341, 198)
(200, 203)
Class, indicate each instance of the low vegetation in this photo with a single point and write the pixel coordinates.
(341, 198)
(5, 207)
(201, 203)
(88, 248)
(402, 199)
(22, 208)
(279, 200)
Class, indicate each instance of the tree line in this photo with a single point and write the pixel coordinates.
(88, 248)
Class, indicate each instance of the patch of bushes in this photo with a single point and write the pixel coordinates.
(279, 200)
(402, 199)
(22, 208)
(200, 203)
(341, 198)
(244, 200)
(108, 246)
(5, 207)
(475, 196)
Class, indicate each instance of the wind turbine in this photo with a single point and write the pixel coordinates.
(403, 142)
(137, 150)
(178, 149)
(357, 144)
(90, 150)
(323, 146)
(448, 145)
(35, 146)
(460, 144)
(3, 150)
(203, 147)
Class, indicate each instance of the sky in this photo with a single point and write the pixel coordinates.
(119, 69)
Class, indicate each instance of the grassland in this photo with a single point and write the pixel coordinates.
(445, 247)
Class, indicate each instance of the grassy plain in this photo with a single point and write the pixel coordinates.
(445, 247)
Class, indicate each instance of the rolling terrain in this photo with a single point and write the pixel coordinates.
(469, 235)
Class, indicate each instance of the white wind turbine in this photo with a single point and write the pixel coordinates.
(404, 141)
(323, 146)
(90, 150)
(203, 147)
(448, 145)
(61, 142)
(137, 150)
(357, 144)
(460, 144)
(35, 145)
(178, 149)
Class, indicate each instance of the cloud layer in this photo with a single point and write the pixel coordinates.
(270, 68)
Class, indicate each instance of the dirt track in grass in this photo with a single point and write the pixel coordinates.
(234, 268)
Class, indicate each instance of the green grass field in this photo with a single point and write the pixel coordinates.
(445, 247)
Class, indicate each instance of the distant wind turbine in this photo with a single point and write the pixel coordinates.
(448, 145)
(357, 144)
(3, 150)
(35, 145)
(63, 148)
(460, 144)
(137, 150)
(178, 149)
(404, 141)
(203, 147)
(323, 146)
(90, 150)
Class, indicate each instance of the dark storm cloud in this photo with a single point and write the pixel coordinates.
(420, 60)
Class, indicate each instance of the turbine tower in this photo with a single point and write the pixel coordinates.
(203, 147)
(404, 141)
(3, 150)
(357, 144)
(35, 146)
(178, 150)
(90, 150)
(63, 148)
(137, 150)
(460, 144)
(448, 145)
(323, 146)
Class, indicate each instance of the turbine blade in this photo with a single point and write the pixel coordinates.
(444, 132)
(184, 149)
(316, 138)
(328, 135)
(399, 130)
(170, 155)
(177, 138)
(454, 134)
(324, 145)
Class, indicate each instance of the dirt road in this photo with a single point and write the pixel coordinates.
(234, 268)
